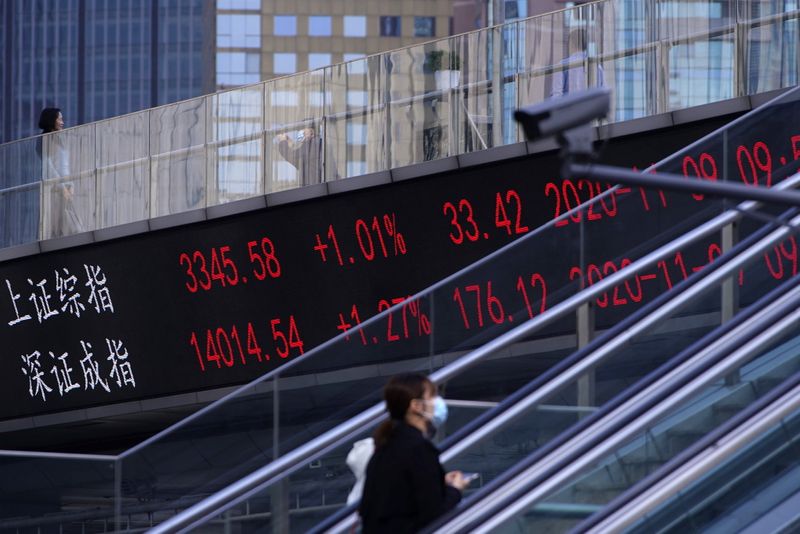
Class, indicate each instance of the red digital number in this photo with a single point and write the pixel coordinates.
(463, 206)
(707, 169)
(501, 218)
(266, 262)
(758, 160)
(185, 259)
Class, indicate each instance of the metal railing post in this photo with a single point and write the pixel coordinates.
(729, 305)
(279, 492)
(497, 86)
(585, 332)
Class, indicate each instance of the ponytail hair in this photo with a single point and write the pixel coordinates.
(398, 394)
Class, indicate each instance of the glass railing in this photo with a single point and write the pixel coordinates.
(442, 98)
(68, 486)
(710, 399)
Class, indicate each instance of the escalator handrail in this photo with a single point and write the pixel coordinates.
(484, 504)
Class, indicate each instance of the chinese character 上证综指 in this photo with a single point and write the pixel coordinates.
(33, 370)
(91, 369)
(99, 294)
(121, 370)
(14, 299)
(63, 374)
(69, 298)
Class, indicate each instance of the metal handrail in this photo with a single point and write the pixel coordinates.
(533, 481)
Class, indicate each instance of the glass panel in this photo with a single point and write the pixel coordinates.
(295, 130)
(772, 49)
(421, 80)
(751, 485)
(560, 53)
(236, 143)
(701, 70)
(123, 169)
(469, 85)
(357, 131)
(44, 493)
(20, 189)
(69, 184)
(178, 157)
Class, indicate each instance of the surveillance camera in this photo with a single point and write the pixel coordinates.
(556, 115)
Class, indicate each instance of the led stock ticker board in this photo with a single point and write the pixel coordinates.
(222, 302)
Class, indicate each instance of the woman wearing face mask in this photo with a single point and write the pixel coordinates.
(406, 487)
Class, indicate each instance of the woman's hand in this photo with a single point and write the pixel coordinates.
(457, 480)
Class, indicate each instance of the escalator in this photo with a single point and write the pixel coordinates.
(556, 491)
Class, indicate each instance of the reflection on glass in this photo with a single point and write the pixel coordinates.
(178, 159)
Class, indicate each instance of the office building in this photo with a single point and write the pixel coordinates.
(96, 59)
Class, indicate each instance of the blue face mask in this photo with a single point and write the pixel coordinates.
(439, 415)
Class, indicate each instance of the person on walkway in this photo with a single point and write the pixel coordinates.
(305, 154)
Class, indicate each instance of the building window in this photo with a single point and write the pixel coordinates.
(318, 60)
(356, 168)
(390, 26)
(355, 67)
(319, 26)
(318, 98)
(356, 133)
(512, 10)
(284, 62)
(424, 26)
(284, 25)
(355, 26)
(239, 4)
(238, 68)
(357, 98)
(239, 31)
(283, 98)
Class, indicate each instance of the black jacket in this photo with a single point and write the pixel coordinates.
(405, 489)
